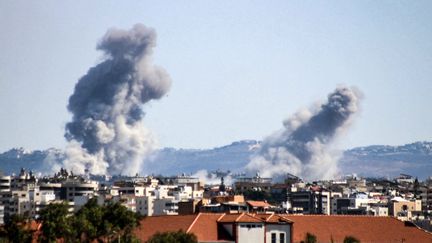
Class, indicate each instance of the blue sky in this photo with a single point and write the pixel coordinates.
(239, 68)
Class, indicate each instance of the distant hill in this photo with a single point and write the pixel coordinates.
(13, 160)
(377, 160)
(233, 157)
(381, 160)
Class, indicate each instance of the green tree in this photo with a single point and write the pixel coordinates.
(56, 223)
(91, 223)
(173, 237)
(118, 217)
(88, 221)
(17, 229)
(310, 238)
(351, 239)
(113, 221)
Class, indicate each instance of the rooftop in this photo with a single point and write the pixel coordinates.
(324, 227)
(365, 228)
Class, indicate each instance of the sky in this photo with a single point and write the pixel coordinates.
(238, 68)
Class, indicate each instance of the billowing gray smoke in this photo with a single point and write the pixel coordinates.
(106, 134)
(303, 146)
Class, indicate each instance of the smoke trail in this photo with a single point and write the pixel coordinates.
(302, 147)
(106, 133)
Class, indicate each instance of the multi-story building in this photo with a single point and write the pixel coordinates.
(2, 214)
(5, 183)
(145, 205)
(256, 183)
(312, 201)
(404, 209)
(77, 187)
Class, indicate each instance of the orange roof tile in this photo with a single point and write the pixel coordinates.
(247, 218)
(258, 204)
(239, 218)
(151, 225)
(325, 228)
(205, 226)
(273, 218)
(365, 228)
(228, 218)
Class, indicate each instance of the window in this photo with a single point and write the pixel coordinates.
(273, 238)
(249, 226)
(282, 238)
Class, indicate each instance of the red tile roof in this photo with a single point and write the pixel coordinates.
(258, 204)
(365, 228)
(151, 225)
(273, 218)
(239, 218)
(205, 226)
(228, 218)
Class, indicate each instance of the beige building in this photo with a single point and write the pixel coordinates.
(403, 209)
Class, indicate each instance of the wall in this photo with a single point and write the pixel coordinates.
(250, 233)
(278, 229)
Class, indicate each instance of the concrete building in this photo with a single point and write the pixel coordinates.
(77, 187)
(379, 210)
(403, 209)
(256, 183)
(2, 214)
(145, 205)
(165, 206)
(5, 183)
(311, 201)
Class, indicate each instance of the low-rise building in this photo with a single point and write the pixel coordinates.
(256, 183)
(404, 209)
(274, 228)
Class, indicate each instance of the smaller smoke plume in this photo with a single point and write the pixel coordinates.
(303, 146)
(211, 178)
(106, 134)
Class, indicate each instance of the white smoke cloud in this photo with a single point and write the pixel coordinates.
(107, 134)
(212, 178)
(304, 146)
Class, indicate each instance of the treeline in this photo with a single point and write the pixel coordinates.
(92, 223)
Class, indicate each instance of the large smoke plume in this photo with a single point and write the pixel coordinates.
(302, 147)
(106, 134)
